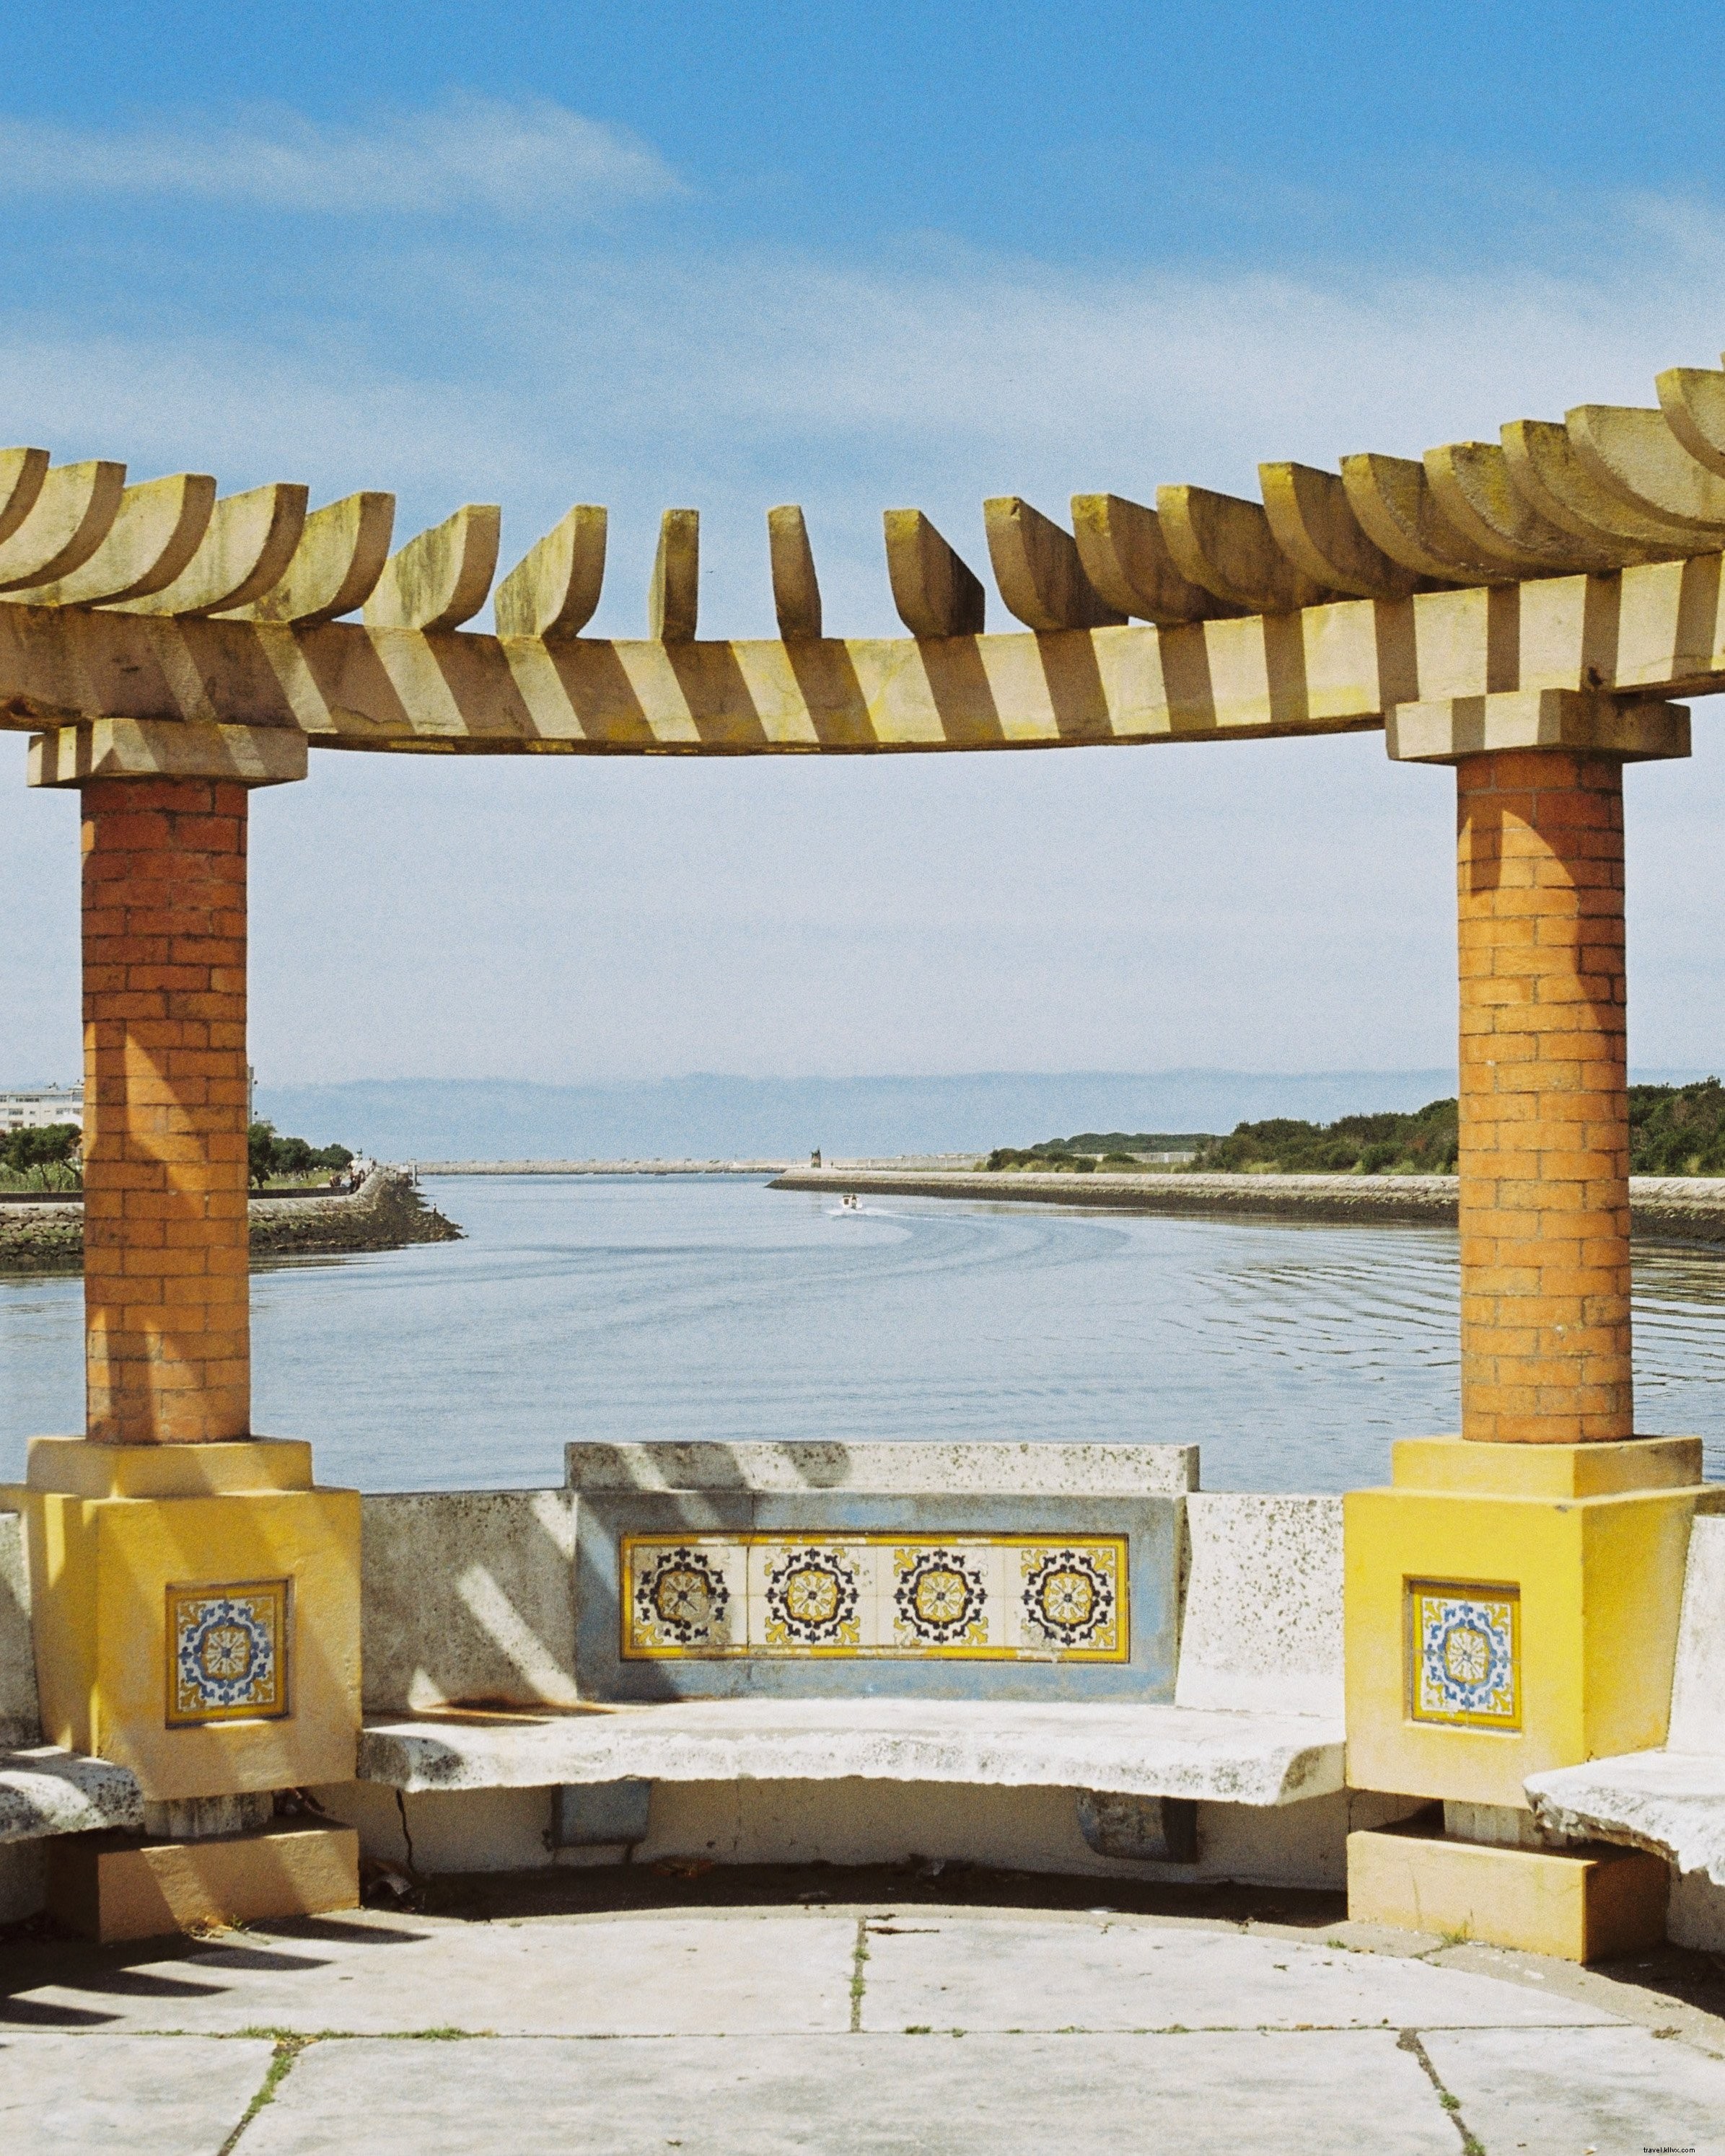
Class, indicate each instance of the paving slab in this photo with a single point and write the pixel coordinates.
(1327, 2095)
(635, 1975)
(145, 2095)
(1564, 2091)
(1003, 1973)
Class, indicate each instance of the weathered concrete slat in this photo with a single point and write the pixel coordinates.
(44, 1790)
(1327, 669)
(1147, 1750)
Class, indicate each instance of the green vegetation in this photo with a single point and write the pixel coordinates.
(41, 1159)
(1116, 1151)
(275, 1159)
(1674, 1130)
(1677, 1130)
(1423, 1144)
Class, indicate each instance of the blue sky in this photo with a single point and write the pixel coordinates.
(728, 256)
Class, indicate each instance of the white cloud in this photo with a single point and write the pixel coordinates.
(528, 159)
(1256, 907)
(645, 376)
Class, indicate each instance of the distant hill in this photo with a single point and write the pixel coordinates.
(706, 1116)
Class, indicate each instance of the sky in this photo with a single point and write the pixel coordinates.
(724, 256)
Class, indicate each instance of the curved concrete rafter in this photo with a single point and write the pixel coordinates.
(936, 594)
(342, 550)
(674, 596)
(73, 513)
(245, 550)
(1039, 571)
(157, 528)
(1632, 455)
(1550, 474)
(1126, 556)
(1393, 499)
(1226, 544)
(1317, 527)
(441, 578)
(1693, 399)
(22, 472)
(1337, 598)
(1472, 486)
(553, 591)
(796, 589)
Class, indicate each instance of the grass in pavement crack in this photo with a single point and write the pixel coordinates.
(1408, 2041)
(287, 2050)
(859, 1960)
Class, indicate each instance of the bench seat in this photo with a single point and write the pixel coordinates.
(1672, 1802)
(1118, 1747)
(44, 1791)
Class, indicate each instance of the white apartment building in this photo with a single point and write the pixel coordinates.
(33, 1107)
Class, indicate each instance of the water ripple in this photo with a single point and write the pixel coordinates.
(621, 1310)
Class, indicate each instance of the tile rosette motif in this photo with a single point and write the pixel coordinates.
(940, 1598)
(862, 1596)
(1070, 1597)
(812, 1597)
(680, 1599)
(228, 1652)
(1464, 1649)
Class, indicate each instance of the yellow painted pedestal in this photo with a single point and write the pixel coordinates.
(112, 1886)
(1576, 1904)
(195, 1611)
(1509, 1608)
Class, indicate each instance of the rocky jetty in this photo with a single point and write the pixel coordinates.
(386, 1213)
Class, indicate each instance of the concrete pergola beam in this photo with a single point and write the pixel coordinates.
(1653, 631)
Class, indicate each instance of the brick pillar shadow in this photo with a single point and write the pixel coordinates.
(166, 1292)
(1544, 1142)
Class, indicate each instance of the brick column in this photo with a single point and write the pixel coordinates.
(1544, 1155)
(166, 1309)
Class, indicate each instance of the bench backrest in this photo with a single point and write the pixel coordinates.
(20, 1717)
(954, 1571)
(1697, 1721)
(1261, 1630)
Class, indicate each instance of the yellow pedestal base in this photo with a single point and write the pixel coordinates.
(1511, 1608)
(113, 1886)
(1578, 1905)
(195, 1612)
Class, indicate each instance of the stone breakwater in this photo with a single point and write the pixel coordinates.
(386, 1213)
(1685, 1209)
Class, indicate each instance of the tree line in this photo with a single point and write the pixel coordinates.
(1674, 1130)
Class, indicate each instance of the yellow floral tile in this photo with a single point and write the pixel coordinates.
(975, 1597)
(228, 1649)
(1464, 1655)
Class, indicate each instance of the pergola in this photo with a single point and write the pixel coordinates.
(1522, 609)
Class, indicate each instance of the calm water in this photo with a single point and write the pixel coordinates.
(634, 1308)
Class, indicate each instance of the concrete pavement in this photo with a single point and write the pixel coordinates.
(900, 2023)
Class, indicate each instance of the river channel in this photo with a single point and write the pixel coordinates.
(625, 1308)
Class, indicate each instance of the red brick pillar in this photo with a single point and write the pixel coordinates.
(167, 1308)
(1544, 1158)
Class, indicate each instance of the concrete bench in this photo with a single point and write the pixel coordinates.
(43, 1791)
(1225, 1686)
(1671, 1801)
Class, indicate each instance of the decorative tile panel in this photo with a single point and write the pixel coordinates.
(227, 1652)
(851, 1596)
(1464, 1655)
